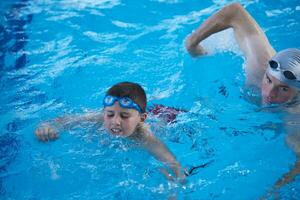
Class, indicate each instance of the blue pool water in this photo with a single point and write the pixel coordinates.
(59, 57)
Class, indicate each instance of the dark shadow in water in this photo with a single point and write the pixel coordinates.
(9, 146)
(13, 37)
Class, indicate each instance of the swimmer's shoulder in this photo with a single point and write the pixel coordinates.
(256, 65)
(142, 133)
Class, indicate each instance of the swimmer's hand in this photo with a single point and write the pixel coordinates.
(181, 178)
(178, 177)
(46, 132)
(195, 49)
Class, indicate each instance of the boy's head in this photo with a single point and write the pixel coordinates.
(124, 108)
(131, 90)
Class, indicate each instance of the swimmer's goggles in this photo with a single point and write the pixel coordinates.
(289, 75)
(124, 102)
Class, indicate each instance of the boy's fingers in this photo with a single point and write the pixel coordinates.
(52, 134)
(38, 134)
(42, 133)
(46, 133)
(166, 174)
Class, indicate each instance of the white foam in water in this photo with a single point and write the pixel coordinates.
(83, 4)
(161, 93)
(272, 13)
(221, 42)
(125, 25)
(168, 1)
(103, 37)
(53, 170)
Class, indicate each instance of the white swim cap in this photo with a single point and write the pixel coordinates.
(285, 66)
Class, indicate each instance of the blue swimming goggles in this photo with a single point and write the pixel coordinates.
(124, 102)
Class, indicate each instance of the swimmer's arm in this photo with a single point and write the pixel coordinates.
(292, 127)
(163, 154)
(160, 151)
(49, 130)
(284, 180)
(248, 33)
(68, 122)
(289, 176)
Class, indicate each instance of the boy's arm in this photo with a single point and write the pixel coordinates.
(250, 37)
(49, 130)
(159, 150)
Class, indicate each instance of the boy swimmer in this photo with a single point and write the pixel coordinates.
(123, 115)
(276, 75)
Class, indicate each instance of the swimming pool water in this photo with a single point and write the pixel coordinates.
(59, 57)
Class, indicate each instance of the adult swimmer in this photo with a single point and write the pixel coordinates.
(276, 75)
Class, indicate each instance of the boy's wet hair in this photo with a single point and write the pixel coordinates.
(132, 90)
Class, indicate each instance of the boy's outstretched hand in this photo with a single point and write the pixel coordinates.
(46, 132)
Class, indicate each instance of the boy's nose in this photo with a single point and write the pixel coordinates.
(117, 120)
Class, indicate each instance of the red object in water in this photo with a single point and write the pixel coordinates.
(168, 114)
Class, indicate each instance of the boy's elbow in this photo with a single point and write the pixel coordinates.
(234, 7)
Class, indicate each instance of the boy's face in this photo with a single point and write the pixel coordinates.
(121, 121)
(275, 91)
